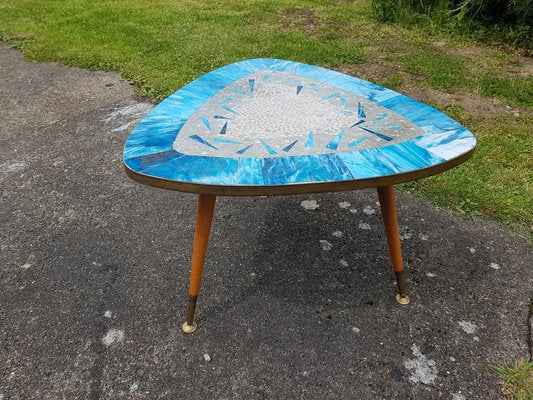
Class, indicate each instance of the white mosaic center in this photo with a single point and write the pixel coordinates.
(274, 114)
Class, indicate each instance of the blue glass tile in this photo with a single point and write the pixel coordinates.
(361, 111)
(221, 140)
(331, 96)
(390, 127)
(335, 142)
(290, 146)
(252, 83)
(137, 151)
(358, 123)
(229, 109)
(299, 89)
(198, 139)
(224, 128)
(227, 99)
(220, 117)
(335, 166)
(379, 135)
(357, 142)
(249, 171)
(280, 170)
(240, 91)
(212, 170)
(314, 87)
(408, 156)
(448, 144)
(241, 151)
(381, 162)
(380, 118)
(173, 169)
(359, 166)
(309, 142)
(144, 162)
(206, 122)
(267, 147)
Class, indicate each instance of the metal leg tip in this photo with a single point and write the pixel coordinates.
(189, 328)
(403, 299)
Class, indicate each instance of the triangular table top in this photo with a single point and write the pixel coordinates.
(266, 126)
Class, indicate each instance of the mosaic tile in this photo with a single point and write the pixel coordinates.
(198, 139)
(270, 150)
(309, 142)
(360, 111)
(334, 144)
(241, 151)
(379, 135)
(290, 146)
(340, 121)
(224, 128)
(357, 142)
(206, 122)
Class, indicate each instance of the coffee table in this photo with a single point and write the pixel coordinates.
(265, 127)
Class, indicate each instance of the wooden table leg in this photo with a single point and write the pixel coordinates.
(387, 202)
(204, 215)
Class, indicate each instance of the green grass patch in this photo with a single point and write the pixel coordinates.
(442, 71)
(517, 380)
(439, 70)
(497, 181)
(517, 91)
(392, 82)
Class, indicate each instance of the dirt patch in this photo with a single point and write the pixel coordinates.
(471, 102)
(462, 52)
(302, 18)
(412, 86)
(512, 64)
(376, 71)
(523, 68)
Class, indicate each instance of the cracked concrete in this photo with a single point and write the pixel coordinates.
(87, 255)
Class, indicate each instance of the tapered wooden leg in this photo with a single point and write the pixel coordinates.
(204, 215)
(387, 202)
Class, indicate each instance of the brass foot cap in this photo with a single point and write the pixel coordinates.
(403, 300)
(189, 328)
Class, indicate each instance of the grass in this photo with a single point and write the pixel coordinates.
(517, 91)
(442, 71)
(163, 44)
(439, 70)
(517, 380)
(497, 182)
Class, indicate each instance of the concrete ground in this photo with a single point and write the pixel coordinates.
(298, 293)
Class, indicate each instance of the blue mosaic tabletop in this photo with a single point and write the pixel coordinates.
(267, 122)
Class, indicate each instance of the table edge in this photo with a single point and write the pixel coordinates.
(297, 188)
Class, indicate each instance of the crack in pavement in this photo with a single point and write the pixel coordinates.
(530, 329)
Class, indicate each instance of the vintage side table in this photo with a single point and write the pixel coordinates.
(274, 127)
